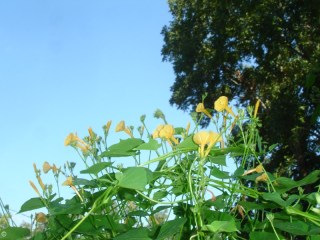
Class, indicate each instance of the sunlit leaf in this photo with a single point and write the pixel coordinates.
(220, 160)
(96, 168)
(32, 204)
(151, 145)
(188, 143)
(123, 148)
(134, 178)
(216, 172)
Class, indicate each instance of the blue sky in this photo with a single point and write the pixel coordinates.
(67, 65)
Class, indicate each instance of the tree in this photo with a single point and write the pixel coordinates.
(249, 50)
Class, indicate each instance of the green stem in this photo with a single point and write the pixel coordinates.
(105, 198)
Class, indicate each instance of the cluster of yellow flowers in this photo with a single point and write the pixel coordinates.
(38, 176)
(122, 127)
(220, 105)
(73, 140)
(165, 132)
(210, 138)
(46, 167)
(258, 169)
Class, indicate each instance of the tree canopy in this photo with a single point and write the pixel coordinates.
(249, 50)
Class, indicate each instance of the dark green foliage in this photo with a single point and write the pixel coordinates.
(248, 50)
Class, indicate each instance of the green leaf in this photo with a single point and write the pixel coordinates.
(274, 197)
(82, 181)
(70, 207)
(152, 145)
(251, 205)
(123, 149)
(221, 226)
(134, 178)
(216, 172)
(291, 199)
(220, 201)
(283, 184)
(39, 236)
(159, 195)
(170, 228)
(96, 168)
(238, 172)
(188, 143)
(234, 151)
(220, 160)
(159, 209)
(293, 227)
(31, 204)
(311, 178)
(262, 236)
(14, 233)
(134, 234)
(179, 130)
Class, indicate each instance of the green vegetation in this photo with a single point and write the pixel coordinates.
(173, 184)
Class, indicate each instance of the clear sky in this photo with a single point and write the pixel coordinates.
(67, 65)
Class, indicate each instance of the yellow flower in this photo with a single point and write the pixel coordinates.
(72, 139)
(221, 104)
(209, 139)
(84, 148)
(201, 109)
(46, 167)
(34, 188)
(185, 134)
(107, 127)
(165, 131)
(156, 132)
(41, 217)
(91, 133)
(120, 126)
(54, 169)
(35, 169)
(128, 131)
(256, 107)
(68, 182)
(262, 178)
(214, 138)
(41, 183)
(257, 169)
(201, 138)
